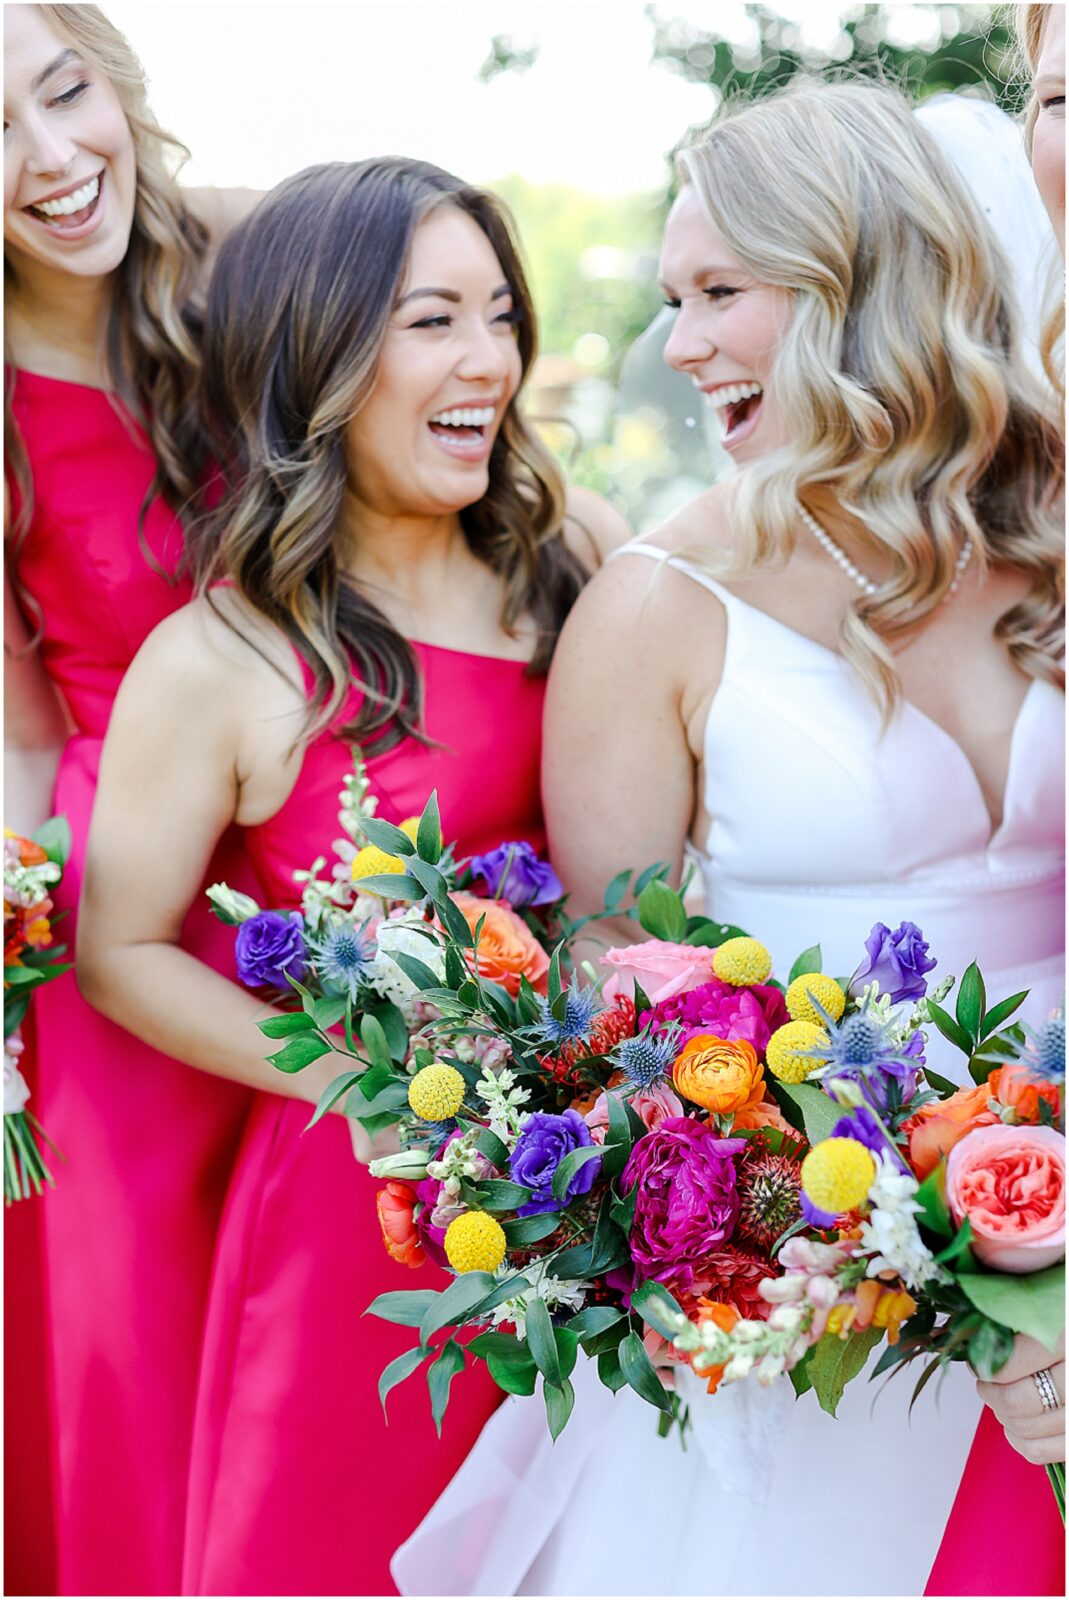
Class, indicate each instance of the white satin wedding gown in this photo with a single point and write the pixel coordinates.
(822, 827)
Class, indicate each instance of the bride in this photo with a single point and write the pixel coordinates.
(834, 682)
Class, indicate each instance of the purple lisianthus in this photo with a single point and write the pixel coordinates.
(752, 1013)
(896, 961)
(514, 872)
(687, 1202)
(541, 1147)
(270, 948)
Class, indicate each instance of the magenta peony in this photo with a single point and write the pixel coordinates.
(687, 1204)
(753, 1013)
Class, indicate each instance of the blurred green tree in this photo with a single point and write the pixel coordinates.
(968, 47)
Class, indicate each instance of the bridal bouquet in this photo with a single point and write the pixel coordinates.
(32, 868)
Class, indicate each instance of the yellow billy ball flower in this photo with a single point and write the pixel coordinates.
(370, 861)
(436, 1092)
(740, 961)
(837, 1174)
(786, 1054)
(475, 1242)
(822, 988)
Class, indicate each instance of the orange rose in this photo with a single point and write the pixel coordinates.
(725, 1318)
(1016, 1085)
(765, 1114)
(723, 1075)
(396, 1204)
(508, 950)
(937, 1127)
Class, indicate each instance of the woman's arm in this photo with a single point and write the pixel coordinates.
(36, 724)
(593, 527)
(197, 718)
(618, 773)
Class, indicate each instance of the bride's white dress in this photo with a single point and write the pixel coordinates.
(822, 827)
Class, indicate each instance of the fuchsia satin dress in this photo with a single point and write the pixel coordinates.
(298, 1484)
(130, 1228)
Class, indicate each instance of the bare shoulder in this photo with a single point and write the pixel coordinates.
(216, 651)
(593, 527)
(220, 210)
(702, 525)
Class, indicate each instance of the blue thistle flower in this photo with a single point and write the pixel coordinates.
(434, 1134)
(1045, 1052)
(863, 1049)
(581, 1010)
(647, 1057)
(344, 956)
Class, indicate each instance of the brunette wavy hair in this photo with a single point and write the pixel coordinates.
(152, 338)
(900, 377)
(300, 301)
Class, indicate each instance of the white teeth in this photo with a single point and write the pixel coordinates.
(470, 417)
(732, 393)
(70, 203)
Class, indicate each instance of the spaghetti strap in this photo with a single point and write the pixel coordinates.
(638, 547)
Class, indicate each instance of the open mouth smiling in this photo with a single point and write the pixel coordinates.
(70, 209)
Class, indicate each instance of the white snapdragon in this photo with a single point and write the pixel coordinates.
(890, 1230)
(556, 1293)
(459, 1160)
(25, 886)
(503, 1098)
(233, 906)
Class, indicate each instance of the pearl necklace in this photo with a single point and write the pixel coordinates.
(866, 585)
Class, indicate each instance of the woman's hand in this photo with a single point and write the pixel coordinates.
(366, 1149)
(1035, 1431)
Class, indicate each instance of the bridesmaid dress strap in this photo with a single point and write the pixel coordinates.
(637, 547)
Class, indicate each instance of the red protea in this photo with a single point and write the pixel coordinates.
(731, 1278)
(610, 1026)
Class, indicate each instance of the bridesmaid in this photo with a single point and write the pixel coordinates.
(1018, 1433)
(368, 536)
(104, 261)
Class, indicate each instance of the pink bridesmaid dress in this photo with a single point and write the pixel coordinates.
(149, 1144)
(1004, 1535)
(298, 1484)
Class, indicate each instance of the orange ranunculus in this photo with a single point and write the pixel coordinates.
(764, 1114)
(936, 1128)
(395, 1204)
(1017, 1085)
(31, 853)
(723, 1075)
(508, 950)
(725, 1318)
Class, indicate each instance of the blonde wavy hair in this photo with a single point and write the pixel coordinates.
(900, 377)
(1029, 23)
(152, 338)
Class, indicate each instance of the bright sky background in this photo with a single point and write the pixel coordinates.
(259, 91)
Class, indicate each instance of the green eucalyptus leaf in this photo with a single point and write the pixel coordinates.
(440, 1375)
(385, 836)
(455, 1303)
(282, 1027)
(407, 1306)
(429, 832)
(299, 1052)
(835, 1361)
(640, 1374)
(661, 912)
(971, 1001)
(998, 1014)
(1032, 1303)
(559, 1399)
(541, 1343)
(573, 1161)
(398, 1370)
(810, 960)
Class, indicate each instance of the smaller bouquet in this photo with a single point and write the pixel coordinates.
(32, 868)
(369, 940)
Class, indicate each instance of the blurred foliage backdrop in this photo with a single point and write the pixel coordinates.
(621, 426)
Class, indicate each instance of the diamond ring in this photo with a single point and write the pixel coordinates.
(1048, 1394)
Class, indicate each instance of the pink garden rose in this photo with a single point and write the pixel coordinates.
(752, 1013)
(661, 969)
(1010, 1183)
(652, 1105)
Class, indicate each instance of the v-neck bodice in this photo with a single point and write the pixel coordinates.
(823, 822)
